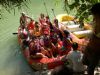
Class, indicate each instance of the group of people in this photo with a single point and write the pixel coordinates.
(43, 38)
(49, 40)
(46, 39)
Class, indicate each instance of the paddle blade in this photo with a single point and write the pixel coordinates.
(15, 33)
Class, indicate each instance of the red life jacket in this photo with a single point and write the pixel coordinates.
(46, 30)
(31, 25)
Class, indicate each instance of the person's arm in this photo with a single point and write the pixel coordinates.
(38, 55)
(28, 17)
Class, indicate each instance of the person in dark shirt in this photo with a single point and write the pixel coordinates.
(92, 52)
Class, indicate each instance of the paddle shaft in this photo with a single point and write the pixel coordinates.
(53, 13)
(15, 33)
(45, 7)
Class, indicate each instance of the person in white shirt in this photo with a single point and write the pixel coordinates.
(75, 59)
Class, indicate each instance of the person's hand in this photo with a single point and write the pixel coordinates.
(64, 58)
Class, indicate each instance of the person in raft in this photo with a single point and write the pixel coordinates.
(66, 43)
(36, 50)
(23, 19)
(31, 25)
(42, 19)
(45, 29)
(37, 29)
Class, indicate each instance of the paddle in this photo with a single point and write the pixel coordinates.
(53, 13)
(15, 33)
(45, 6)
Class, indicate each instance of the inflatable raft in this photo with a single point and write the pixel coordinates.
(71, 24)
(36, 63)
(47, 62)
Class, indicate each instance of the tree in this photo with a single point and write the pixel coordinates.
(81, 6)
(12, 4)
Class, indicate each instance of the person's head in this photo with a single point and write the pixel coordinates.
(56, 22)
(66, 33)
(23, 13)
(47, 17)
(95, 10)
(31, 19)
(36, 24)
(42, 15)
(75, 46)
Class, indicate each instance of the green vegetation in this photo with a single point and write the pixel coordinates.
(11, 5)
(81, 6)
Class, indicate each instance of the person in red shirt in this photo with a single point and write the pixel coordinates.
(31, 24)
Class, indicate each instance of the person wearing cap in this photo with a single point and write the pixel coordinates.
(23, 19)
(92, 52)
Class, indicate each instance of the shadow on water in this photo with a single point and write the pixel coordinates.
(14, 61)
